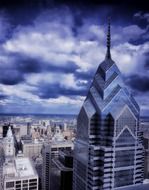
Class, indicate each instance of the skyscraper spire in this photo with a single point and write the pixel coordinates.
(108, 54)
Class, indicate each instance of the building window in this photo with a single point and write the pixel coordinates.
(9, 184)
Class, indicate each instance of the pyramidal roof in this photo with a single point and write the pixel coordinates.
(108, 88)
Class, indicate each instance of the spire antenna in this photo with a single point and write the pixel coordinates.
(108, 54)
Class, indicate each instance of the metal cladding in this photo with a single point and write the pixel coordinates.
(108, 152)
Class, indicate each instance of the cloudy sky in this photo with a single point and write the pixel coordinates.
(50, 50)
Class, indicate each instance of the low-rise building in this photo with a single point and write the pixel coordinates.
(20, 174)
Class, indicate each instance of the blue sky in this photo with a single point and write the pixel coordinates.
(48, 56)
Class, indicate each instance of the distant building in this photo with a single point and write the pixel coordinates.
(108, 151)
(31, 148)
(50, 151)
(62, 171)
(20, 129)
(5, 129)
(18, 172)
(8, 145)
(19, 175)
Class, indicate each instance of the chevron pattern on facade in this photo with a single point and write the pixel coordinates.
(108, 152)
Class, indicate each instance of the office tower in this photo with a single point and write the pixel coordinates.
(19, 175)
(28, 128)
(50, 151)
(63, 171)
(108, 151)
(31, 148)
(19, 129)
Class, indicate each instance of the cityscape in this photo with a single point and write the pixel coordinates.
(74, 95)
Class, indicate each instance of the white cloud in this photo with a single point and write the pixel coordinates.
(52, 41)
(53, 78)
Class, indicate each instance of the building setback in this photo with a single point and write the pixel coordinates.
(108, 151)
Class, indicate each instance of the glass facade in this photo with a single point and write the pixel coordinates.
(108, 141)
(124, 158)
(123, 178)
(126, 119)
(108, 152)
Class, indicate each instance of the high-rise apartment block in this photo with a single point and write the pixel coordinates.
(108, 151)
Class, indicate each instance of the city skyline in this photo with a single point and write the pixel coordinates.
(47, 60)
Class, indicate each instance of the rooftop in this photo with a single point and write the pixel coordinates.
(30, 141)
(61, 143)
(22, 167)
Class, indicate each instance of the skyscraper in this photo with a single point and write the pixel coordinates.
(108, 151)
(49, 152)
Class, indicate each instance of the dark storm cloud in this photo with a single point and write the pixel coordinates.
(38, 66)
(138, 83)
(70, 67)
(142, 16)
(146, 65)
(137, 41)
(84, 75)
(51, 55)
(5, 26)
(11, 77)
(14, 70)
(55, 90)
(129, 3)
(19, 66)
(29, 65)
(2, 96)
